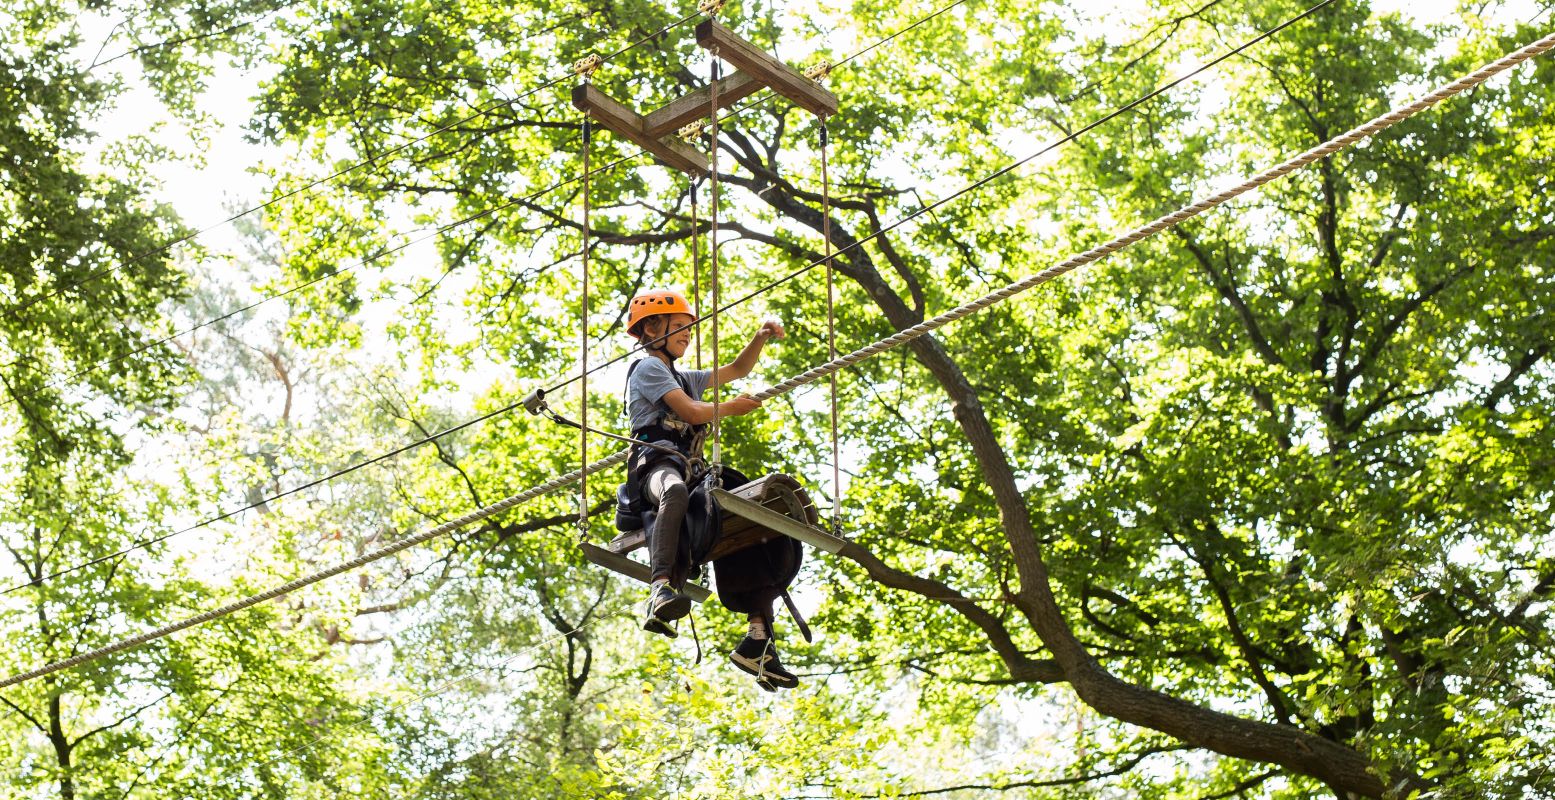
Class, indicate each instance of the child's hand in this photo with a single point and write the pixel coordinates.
(739, 406)
(771, 329)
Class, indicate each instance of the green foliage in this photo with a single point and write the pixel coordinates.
(1288, 461)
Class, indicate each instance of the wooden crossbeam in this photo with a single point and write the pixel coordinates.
(683, 111)
(634, 570)
(627, 123)
(765, 69)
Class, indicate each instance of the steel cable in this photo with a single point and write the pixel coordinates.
(717, 310)
(1123, 241)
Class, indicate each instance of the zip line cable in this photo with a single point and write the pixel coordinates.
(375, 460)
(136, 259)
(1126, 240)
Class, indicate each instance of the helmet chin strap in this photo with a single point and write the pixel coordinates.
(660, 342)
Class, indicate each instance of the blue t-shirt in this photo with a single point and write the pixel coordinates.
(651, 379)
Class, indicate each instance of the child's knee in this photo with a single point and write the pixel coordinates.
(674, 498)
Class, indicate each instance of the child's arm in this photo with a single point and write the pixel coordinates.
(698, 412)
(746, 361)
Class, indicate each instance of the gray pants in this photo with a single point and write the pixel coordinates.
(666, 489)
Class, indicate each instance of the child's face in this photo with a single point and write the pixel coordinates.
(677, 343)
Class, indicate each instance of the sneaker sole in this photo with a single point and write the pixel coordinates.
(659, 626)
(673, 609)
(767, 680)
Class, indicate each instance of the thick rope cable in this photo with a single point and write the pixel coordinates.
(1173, 219)
(901, 337)
(717, 311)
(481, 112)
(345, 566)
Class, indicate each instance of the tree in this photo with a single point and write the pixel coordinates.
(1270, 489)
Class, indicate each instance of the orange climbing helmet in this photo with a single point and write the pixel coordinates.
(652, 304)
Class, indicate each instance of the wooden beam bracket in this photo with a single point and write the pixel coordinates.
(764, 69)
(627, 123)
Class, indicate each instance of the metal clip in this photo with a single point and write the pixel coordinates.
(690, 132)
(710, 7)
(587, 65)
(534, 402)
(819, 71)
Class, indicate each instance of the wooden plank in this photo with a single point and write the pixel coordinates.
(761, 66)
(731, 543)
(629, 125)
(631, 569)
(627, 542)
(676, 114)
(778, 522)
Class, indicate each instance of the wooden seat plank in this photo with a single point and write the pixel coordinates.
(639, 572)
(778, 522)
(774, 505)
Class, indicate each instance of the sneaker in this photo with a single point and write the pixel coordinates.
(759, 657)
(665, 605)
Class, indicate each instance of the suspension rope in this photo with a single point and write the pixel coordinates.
(717, 311)
(481, 112)
(831, 332)
(696, 272)
(716, 462)
(900, 337)
(583, 350)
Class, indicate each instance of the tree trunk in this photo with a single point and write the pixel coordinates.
(1339, 766)
(62, 748)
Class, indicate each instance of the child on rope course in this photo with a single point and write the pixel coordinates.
(666, 407)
